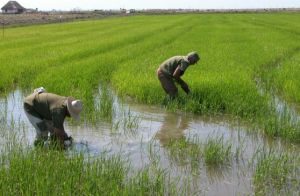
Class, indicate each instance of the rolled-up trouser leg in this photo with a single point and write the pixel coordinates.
(167, 83)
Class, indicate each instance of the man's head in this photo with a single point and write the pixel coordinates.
(74, 107)
(193, 57)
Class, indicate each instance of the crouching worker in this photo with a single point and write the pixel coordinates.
(171, 70)
(47, 112)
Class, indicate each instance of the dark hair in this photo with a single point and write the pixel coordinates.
(193, 55)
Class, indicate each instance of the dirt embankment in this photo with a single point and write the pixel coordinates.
(55, 17)
(47, 17)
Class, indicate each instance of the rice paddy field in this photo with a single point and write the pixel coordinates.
(237, 133)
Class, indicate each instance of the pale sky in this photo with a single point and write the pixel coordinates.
(159, 4)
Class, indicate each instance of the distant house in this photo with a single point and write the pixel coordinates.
(30, 10)
(12, 7)
(122, 10)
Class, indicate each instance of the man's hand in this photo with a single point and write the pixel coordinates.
(69, 138)
(60, 135)
(68, 141)
(185, 87)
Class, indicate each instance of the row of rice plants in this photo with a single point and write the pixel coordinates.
(30, 51)
(283, 77)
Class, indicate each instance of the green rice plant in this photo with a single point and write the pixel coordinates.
(105, 104)
(185, 152)
(217, 152)
(130, 123)
(276, 173)
(282, 75)
(286, 128)
(125, 121)
(182, 187)
(152, 182)
(29, 173)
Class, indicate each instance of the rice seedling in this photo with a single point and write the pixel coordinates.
(276, 173)
(130, 123)
(184, 152)
(217, 152)
(104, 104)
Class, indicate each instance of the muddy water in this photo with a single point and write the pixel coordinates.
(141, 134)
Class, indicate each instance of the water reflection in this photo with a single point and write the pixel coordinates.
(172, 128)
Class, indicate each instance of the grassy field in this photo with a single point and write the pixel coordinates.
(246, 60)
(235, 49)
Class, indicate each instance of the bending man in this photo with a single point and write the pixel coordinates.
(171, 70)
(47, 112)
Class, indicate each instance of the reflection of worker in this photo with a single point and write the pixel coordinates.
(172, 69)
(173, 127)
(47, 112)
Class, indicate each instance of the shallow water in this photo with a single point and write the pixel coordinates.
(142, 134)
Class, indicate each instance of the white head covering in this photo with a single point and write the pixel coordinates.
(74, 107)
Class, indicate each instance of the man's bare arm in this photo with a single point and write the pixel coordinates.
(60, 135)
(177, 76)
(178, 73)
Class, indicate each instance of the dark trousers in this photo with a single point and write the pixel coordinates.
(167, 83)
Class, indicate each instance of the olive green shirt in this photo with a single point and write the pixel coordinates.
(169, 66)
(47, 106)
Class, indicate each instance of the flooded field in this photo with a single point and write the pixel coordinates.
(236, 133)
(150, 135)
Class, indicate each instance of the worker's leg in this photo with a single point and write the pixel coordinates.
(168, 84)
(39, 125)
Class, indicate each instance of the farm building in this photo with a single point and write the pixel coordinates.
(13, 7)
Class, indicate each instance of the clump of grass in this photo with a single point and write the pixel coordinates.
(217, 152)
(276, 174)
(128, 123)
(104, 103)
(276, 127)
(183, 151)
(152, 182)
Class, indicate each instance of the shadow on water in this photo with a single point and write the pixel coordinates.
(143, 133)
